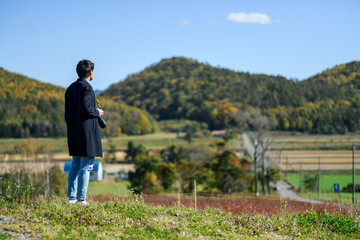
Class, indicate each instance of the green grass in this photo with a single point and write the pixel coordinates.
(327, 181)
(131, 218)
(328, 178)
(160, 141)
(345, 198)
(109, 188)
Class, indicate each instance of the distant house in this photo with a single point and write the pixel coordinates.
(219, 133)
(95, 175)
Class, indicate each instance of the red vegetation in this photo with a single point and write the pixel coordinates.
(246, 205)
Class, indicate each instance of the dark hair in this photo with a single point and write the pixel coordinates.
(84, 67)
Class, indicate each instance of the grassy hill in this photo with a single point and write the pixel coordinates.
(132, 218)
(32, 108)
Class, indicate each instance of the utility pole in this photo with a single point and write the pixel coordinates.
(255, 168)
(195, 192)
(319, 175)
(279, 160)
(263, 168)
(300, 183)
(255, 174)
(287, 167)
(353, 173)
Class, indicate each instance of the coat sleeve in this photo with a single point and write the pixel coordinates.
(88, 103)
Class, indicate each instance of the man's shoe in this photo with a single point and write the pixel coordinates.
(84, 202)
(72, 200)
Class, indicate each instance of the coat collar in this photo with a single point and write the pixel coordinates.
(82, 80)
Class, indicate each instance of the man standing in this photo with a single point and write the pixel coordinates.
(83, 132)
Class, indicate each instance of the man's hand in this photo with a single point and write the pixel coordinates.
(101, 112)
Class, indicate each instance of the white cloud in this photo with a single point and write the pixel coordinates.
(211, 22)
(242, 17)
(183, 23)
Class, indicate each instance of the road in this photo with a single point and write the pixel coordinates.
(248, 144)
(286, 192)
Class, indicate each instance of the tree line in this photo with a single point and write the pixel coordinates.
(32, 108)
(214, 167)
(181, 88)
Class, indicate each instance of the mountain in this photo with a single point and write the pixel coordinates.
(32, 108)
(163, 85)
(184, 88)
(181, 88)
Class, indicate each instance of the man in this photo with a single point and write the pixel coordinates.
(83, 132)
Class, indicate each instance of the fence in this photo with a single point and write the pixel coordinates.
(341, 167)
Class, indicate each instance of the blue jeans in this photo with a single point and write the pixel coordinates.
(79, 176)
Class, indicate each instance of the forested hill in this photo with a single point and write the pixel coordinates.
(173, 82)
(32, 108)
(340, 82)
(165, 84)
(184, 88)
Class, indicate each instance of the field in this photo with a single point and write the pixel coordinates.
(155, 141)
(109, 187)
(301, 141)
(115, 214)
(328, 179)
(291, 152)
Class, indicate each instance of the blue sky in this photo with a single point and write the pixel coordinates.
(296, 39)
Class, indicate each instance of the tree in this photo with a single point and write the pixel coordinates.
(311, 182)
(145, 178)
(271, 174)
(349, 188)
(112, 151)
(133, 151)
(167, 175)
(259, 128)
(229, 175)
(152, 175)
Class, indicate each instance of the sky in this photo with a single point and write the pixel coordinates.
(296, 39)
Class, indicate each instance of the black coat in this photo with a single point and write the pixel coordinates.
(81, 116)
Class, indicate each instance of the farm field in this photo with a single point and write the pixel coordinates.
(154, 141)
(344, 198)
(328, 178)
(309, 159)
(289, 152)
(301, 141)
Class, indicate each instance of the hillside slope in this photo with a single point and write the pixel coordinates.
(32, 108)
(172, 82)
(340, 82)
(181, 88)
